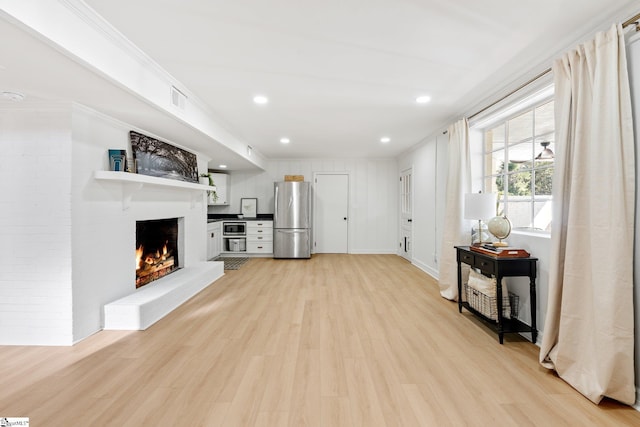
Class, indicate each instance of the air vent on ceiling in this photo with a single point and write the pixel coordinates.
(178, 99)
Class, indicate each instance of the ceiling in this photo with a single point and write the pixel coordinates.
(339, 75)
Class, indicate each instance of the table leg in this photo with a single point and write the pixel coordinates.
(532, 296)
(499, 306)
(459, 287)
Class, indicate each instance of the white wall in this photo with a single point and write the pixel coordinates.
(538, 246)
(428, 162)
(35, 226)
(373, 196)
(423, 221)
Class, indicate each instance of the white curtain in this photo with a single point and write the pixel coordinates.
(589, 337)
(456, 230)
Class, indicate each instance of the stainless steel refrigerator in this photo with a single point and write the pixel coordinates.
(292, 220)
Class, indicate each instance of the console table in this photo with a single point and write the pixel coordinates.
(500, 267)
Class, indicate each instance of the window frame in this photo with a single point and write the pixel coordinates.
(501, 118)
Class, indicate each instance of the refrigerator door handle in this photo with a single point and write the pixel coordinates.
(275, 205)
(291, 231)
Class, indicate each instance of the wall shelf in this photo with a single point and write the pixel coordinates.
(133, 182)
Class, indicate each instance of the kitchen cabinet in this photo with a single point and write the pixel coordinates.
(260, 237)
(214, 239)
(221, 181)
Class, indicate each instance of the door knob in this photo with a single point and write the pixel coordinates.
(345, 218)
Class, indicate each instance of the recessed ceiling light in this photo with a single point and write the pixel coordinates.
(222, 166)
(12, 96)
(285, 140)
(385, 139)
(423, 99)
(260, 99)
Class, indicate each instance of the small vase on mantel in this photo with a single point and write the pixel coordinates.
(204, 180)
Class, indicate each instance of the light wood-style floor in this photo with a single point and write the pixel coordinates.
(338, 340)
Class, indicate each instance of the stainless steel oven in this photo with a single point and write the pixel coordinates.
(235, 228)
(233, 233)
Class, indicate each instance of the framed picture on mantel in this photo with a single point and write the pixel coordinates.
(249, 208)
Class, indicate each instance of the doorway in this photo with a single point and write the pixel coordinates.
(406, 213)
(331, 209)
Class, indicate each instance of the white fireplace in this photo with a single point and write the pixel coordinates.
(139, 309)
(85, 226)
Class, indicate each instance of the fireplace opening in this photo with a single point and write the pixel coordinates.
(156, 249)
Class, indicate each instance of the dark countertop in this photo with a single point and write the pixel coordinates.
(234, 217)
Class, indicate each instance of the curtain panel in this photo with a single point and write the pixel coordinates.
(589, 328)
(455, 230)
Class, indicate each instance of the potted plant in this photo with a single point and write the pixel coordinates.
(206, 179)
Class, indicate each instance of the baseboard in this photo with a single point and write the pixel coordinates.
(427, 269)
(372, 252)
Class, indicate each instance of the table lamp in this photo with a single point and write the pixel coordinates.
(479, 206)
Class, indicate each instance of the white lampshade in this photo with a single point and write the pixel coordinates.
(479, 206)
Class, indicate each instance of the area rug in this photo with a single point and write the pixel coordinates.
(232, 263)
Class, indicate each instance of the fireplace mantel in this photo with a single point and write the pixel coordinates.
(133, 182)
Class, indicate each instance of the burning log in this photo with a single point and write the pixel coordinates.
(152, 268)
(153, 265)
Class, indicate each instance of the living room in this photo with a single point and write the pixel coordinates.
(74, 220)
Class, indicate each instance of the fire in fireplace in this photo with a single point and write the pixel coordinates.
(156, 249)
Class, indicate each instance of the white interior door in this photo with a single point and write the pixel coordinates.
(406, 213)
(331, 213)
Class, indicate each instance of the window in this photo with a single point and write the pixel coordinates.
(518, 165)
(405, 193)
